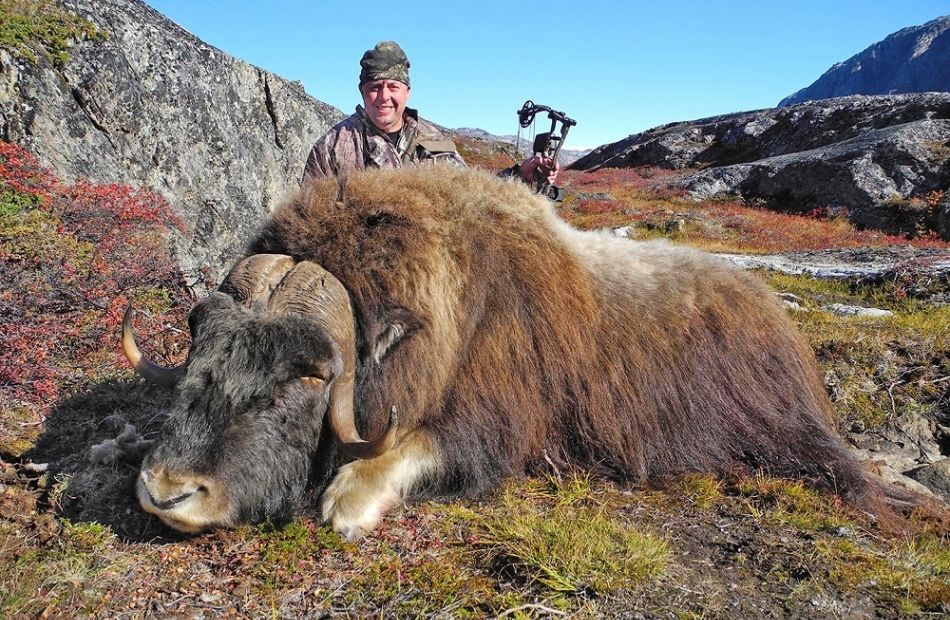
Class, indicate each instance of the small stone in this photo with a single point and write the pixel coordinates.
(622, 231)
(935, 476)
(675, 225)
(846, 310)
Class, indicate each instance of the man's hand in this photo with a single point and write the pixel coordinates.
(547, 167)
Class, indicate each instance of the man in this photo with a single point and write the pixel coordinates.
(384, 133)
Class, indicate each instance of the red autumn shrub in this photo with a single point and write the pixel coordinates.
(641, 197)
(594, 207)
(71, 257)
(21, 172)
(640, 177)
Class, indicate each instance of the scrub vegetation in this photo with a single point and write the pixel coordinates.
(35, 29)
(641, 199)
(74, 544)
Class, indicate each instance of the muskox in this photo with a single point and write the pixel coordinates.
(431, 331)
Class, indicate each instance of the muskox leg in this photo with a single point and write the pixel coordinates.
(362, 491)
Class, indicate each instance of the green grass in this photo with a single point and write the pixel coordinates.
(556, 537)
(73, 571)
(430, 584)
(908, 580)
(36, 29)
(876, 368)
(702, 491)
(539, 543)
(791, 503)
(893, 294)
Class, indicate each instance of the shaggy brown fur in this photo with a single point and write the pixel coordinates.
(530, 341)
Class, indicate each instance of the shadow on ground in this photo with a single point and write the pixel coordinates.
(83, 491)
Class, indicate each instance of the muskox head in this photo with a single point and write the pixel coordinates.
(271, 362)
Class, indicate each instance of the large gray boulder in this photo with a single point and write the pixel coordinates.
(912, 60)
(151, 105)
(872, 176)
(869, 155)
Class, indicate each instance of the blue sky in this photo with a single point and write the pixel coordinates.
(616, 67)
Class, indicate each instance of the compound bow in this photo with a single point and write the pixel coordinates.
(547, 144)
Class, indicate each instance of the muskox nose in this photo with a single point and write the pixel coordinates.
(166, 489)
(188, 501)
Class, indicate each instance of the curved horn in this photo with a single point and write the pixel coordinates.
(253, 280)
(312, 291)
(345, 430)
(149, 370)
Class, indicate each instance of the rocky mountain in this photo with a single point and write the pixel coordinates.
(867, 155)
(524, 146)
(146, 103)
(915, 59)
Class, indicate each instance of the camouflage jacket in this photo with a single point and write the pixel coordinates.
(355, 143)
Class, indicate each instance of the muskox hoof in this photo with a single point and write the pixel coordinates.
(355, 502)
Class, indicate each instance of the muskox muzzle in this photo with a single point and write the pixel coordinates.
(189, 492)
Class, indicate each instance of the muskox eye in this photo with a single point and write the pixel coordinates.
(314, 383)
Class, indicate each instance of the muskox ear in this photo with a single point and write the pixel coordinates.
(391, 328)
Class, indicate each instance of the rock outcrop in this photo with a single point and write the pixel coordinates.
(912, 60)
(151, 105)
(869, 156)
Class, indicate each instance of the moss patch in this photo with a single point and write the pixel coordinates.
(36, 29)
(903, 580)
(73, 572)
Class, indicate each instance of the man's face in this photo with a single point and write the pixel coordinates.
(385, 102)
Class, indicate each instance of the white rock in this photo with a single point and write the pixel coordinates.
(845, 310)
(622, 231)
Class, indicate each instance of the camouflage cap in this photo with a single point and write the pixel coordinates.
(386, 61)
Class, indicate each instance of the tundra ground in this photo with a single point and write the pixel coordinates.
(74, 543)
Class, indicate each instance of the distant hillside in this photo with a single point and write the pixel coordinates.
(877, 157)
(567, 157)
(911, 60)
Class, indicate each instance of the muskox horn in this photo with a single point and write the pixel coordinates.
(149, 370)
(252, 281)
(312, 291)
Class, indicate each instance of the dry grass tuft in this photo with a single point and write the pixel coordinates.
(562, 540)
